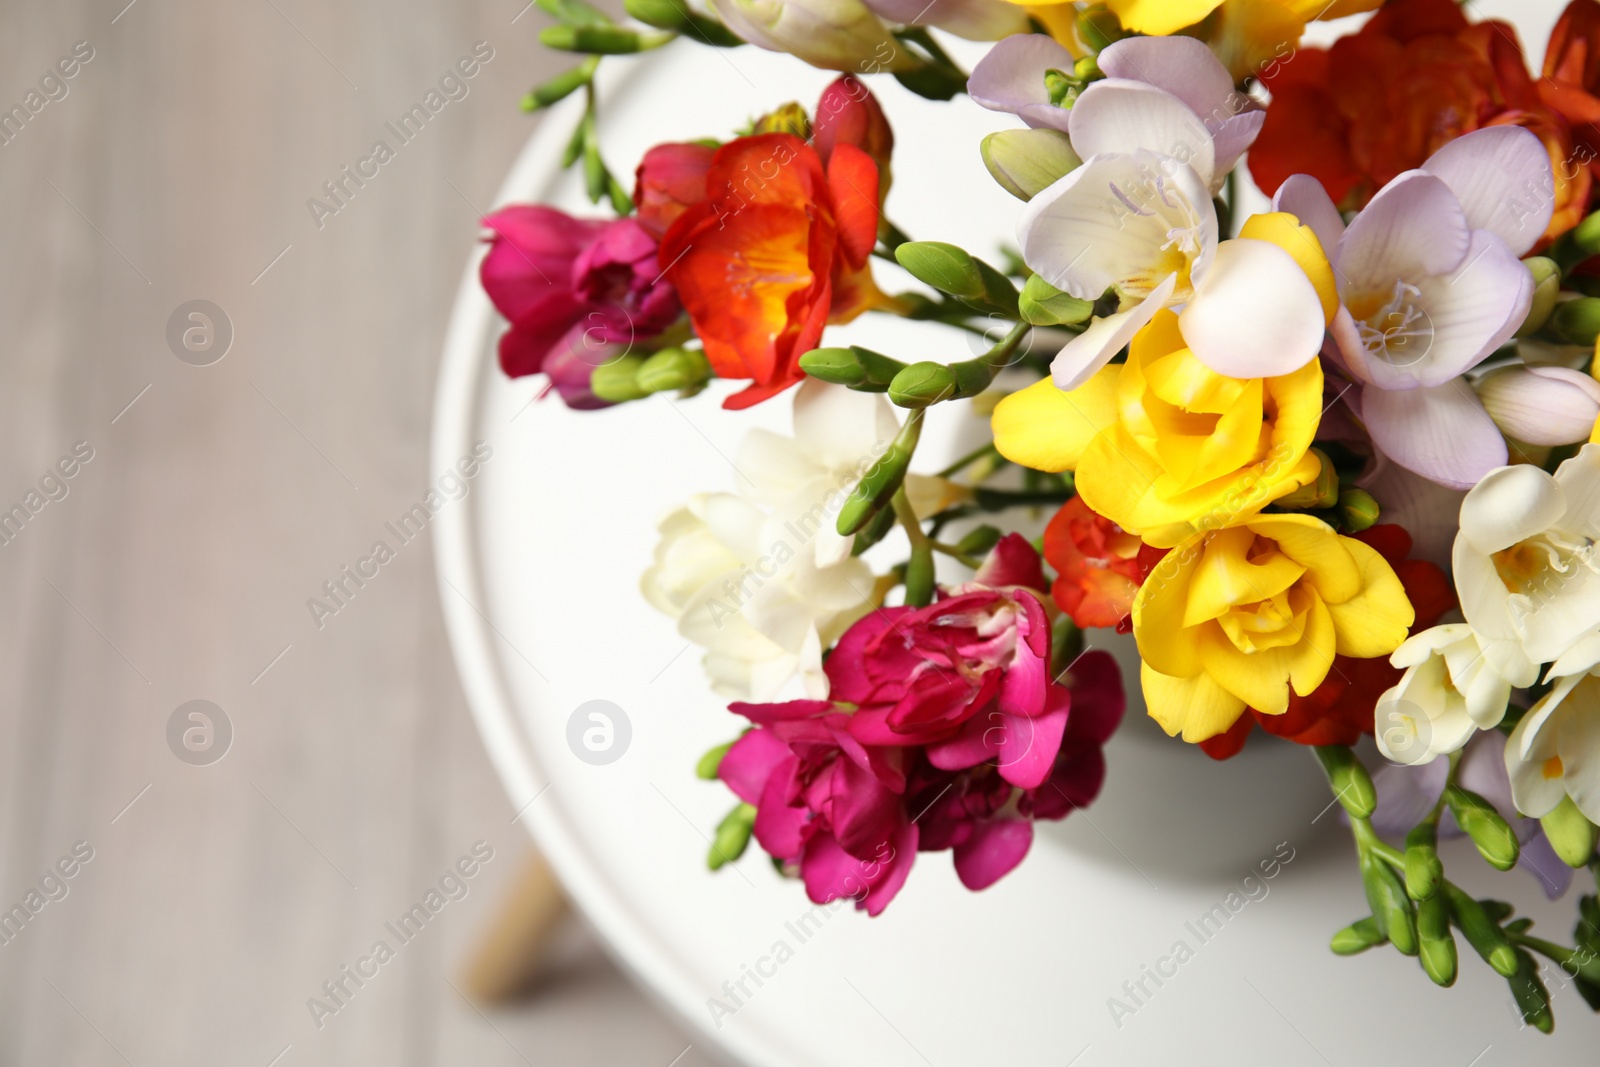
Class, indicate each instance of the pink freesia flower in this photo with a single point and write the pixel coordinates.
(1430, 285)
(944, 730)
(577, 292)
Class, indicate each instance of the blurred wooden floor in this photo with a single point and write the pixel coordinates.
(176, 167)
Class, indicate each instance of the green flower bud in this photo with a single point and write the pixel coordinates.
(876, 529)
(561, 86)
(944, 266)
(1475, 924)
(979, 541)
(1098, 27)
(1570, 833)
(1435, 946)
(1533, 999)
(575, 12)
(618, 381)
(1390, 905)
(1357, 510)
(663, 14)
(1316, 495)
(858, 368)
(1546, 287)
(1424, 869)
(922, 384)
(1576, 321)
(674, 368)
(882, 480)
(1586, 234)
(732, 836)
(600, 40)
(1087, 69)
(712, 761)
(1357, 937)
(1025, 162)
(837, 365)
(1042, 304)
(1487, 828)
(1349, 779)
(998, 292)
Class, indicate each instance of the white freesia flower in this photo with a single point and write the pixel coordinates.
(758, 603)
(1555, 749)
(1526, 565)
(1448, 693)
(761, 579)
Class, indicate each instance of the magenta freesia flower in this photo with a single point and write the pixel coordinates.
(943, 730)
(1430, 286)
(577, 292)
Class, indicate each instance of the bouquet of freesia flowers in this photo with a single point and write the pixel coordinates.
(1330, 463)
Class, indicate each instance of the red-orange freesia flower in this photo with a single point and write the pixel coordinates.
(776, 250)
(1417, 75)
(1099, 565)
(1340, 710)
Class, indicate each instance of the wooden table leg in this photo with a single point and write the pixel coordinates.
(508, 960)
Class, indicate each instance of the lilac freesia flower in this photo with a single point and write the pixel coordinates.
(1163, 94)
(1158, 136)
(1407, 793)
(1431, 285)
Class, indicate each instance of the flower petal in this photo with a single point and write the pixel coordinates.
(1047, 429)
(1123, 116)
(994, 849)
(746, 766)
(1183, 66)
(1010, 76)
(1233, 137)
(1579, 479)
(1579, 746)
(1441, 433)
(1470, 313)
(1197, 707)
(1303, 196)
(1373, 622)
(1108, 222)
(1028, 747)
(1258, 283)
(1413, 228)
(1510, 505)
(1542, 405)
(1092, 349)
(1502, 176)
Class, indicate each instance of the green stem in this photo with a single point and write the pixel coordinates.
(1001, 499)
(1573, 962)
(967, 460)
(955, 553)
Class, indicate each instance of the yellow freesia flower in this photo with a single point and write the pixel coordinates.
(1247, 35)
(1164, 446)
(1234, 617)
